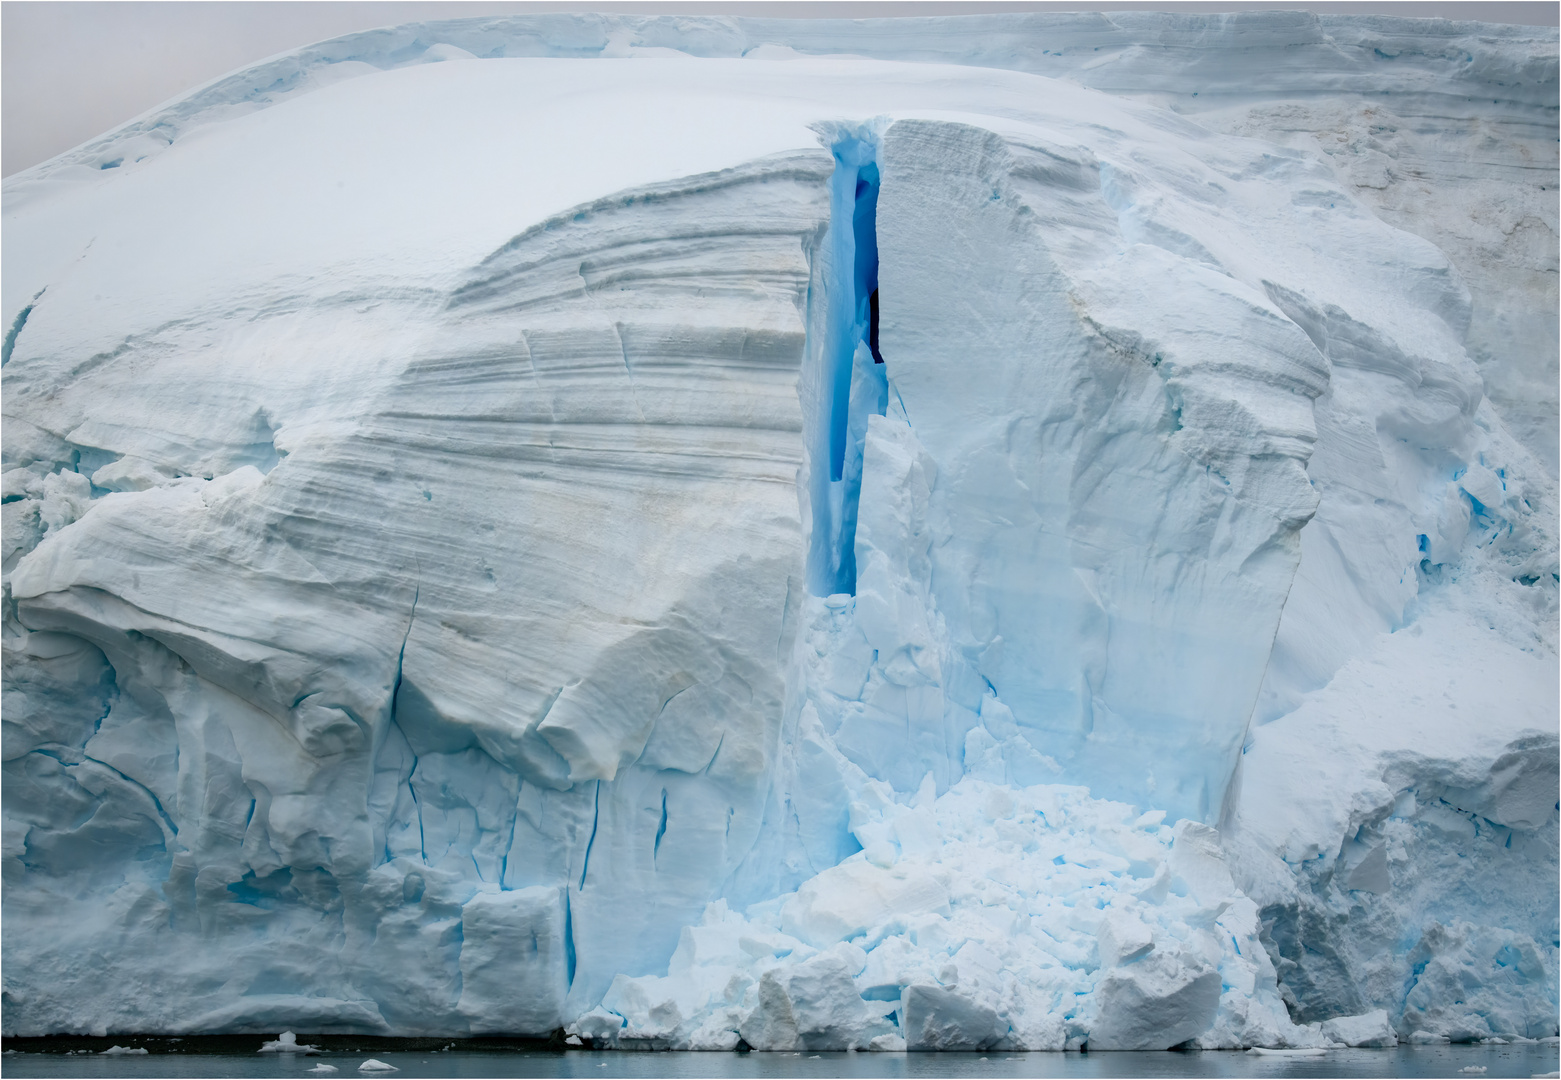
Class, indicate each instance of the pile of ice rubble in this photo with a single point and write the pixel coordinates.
(989, 917)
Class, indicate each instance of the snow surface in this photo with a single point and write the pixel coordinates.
(467, 572)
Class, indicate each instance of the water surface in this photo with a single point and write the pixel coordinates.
(179, 1059)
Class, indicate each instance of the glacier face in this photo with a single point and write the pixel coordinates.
(687, 540)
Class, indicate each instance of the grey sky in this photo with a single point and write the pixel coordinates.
(72, 70)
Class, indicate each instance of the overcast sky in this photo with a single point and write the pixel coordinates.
(71, 71)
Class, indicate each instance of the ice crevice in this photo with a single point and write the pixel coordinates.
(843, 344)
(16, 328)
(596, 812)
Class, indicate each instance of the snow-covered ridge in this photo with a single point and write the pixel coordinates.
(1399, 104)
(1120, 52)
(445, 555)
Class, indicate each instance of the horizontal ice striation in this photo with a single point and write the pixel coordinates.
(469, 687)
(438, 604)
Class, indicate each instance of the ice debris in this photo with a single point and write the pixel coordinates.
(1368, 1029)
(287, 1043)
(989, 917)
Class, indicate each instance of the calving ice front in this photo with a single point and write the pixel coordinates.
(1012, 532)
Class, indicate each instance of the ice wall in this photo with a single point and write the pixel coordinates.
(825, 588)
(458, 718)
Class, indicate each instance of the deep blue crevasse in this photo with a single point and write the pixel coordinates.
(853, 379)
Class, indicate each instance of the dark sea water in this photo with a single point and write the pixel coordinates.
(172, 1059)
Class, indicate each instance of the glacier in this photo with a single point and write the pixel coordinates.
(999, 532)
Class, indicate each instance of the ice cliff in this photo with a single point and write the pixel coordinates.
(999, 532)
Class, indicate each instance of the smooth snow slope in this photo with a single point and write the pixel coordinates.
(462, 555)
(1445, 129)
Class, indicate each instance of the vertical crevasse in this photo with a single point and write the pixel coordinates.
(851, 383)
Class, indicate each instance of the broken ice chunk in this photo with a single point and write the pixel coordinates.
(1368, 1029)
(286, 1043)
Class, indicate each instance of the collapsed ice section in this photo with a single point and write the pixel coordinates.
(991, 917)
(1418, 880)
(997, 565)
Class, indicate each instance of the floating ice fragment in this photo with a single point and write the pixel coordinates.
(375, 1065)
(286, 1043)
(119, 1051)
(1368, 1029)
(323, 1069)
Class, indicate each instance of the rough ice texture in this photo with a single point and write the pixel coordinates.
(466, 571)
